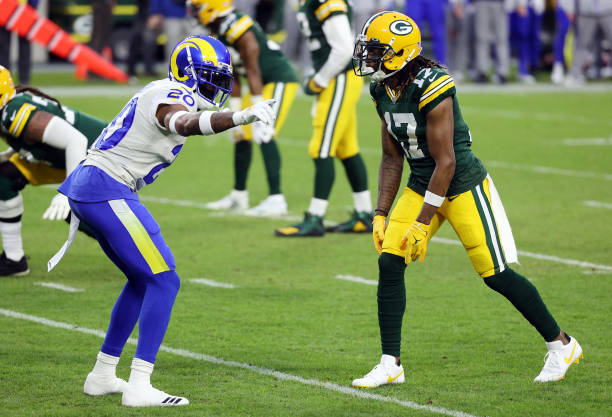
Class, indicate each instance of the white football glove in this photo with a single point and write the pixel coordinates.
(262, 133)
(236, 134)
(263, 112)
(59, 208)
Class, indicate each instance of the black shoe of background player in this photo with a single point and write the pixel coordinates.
(13, 268)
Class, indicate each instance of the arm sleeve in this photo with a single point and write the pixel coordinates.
(338, 32)
(62, 135)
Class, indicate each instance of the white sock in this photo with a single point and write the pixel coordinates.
(141, 372)
(106, 365)
(362, 201)
(239, 193)
(318, 207)
(11, 240)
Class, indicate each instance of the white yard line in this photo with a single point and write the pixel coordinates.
(598, 204)
(212, 283)
(549, 170)
(59, 286)
(538, 169)
(540, 256)
(257, 369)
(360, 280)
(588, 142)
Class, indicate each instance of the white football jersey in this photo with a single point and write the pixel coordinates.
(134, 148)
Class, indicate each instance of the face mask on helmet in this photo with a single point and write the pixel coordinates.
(369, 57)
(214, 85)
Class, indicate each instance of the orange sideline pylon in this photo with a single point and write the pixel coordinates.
(27, 23)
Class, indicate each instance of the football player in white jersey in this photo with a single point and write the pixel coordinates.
(142, 140)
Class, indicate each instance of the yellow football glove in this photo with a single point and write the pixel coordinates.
(378, 232)
(414, 241)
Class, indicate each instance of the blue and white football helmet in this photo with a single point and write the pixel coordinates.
(202, 64)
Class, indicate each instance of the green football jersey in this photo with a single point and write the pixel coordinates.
(406, 119)
(311, 16)
(274, 66)
(17, 114)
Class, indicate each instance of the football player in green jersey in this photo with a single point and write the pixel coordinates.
(326, 25)
(269, 75)
(46, 141)
(421, 121)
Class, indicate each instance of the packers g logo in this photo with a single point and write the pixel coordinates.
(401, 27)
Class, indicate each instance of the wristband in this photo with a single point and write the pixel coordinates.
(175, 116)
(256, 99)
(433, 199)
(205, 123)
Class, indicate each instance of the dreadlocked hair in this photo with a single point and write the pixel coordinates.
(412, 68)
(27, 89)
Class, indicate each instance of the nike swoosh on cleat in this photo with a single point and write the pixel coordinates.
(569, 360)
(389, 379)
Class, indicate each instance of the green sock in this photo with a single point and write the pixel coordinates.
(525, 297)
(324, 177)
(243, 151)
(356, 172)
(272, 162)
(391, 302)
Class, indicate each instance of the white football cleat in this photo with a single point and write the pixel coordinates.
(235, 200)
(147, 396)
(558, 73)
(273, 205)
(386, 372)
(102, 385)
(558, 360)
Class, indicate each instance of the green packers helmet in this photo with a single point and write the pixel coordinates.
(387, 41)
(207, 11)
(7, 87)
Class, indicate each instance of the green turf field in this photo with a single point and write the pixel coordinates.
(287, 336)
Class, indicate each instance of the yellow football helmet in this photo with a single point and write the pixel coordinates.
(7, 87)
(207, 11)
(388, 41)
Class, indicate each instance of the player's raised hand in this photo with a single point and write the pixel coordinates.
(262, 132)
(263, 112)
(378, 232)
(58, 209)
(414, 241)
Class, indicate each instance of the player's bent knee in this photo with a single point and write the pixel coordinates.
(169, 280)
(390, 264)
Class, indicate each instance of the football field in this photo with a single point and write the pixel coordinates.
(266, 326)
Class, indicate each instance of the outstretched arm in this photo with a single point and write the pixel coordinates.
(176, 118)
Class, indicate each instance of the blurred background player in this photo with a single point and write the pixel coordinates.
(24, 62)
(591, 15)
(327, 27)
(525, 28)
(141, 141)
(491, 30)
(168, 17)
(269, 75)
(433, 12)
(564, 16)
(421, 121)
(47, 141)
